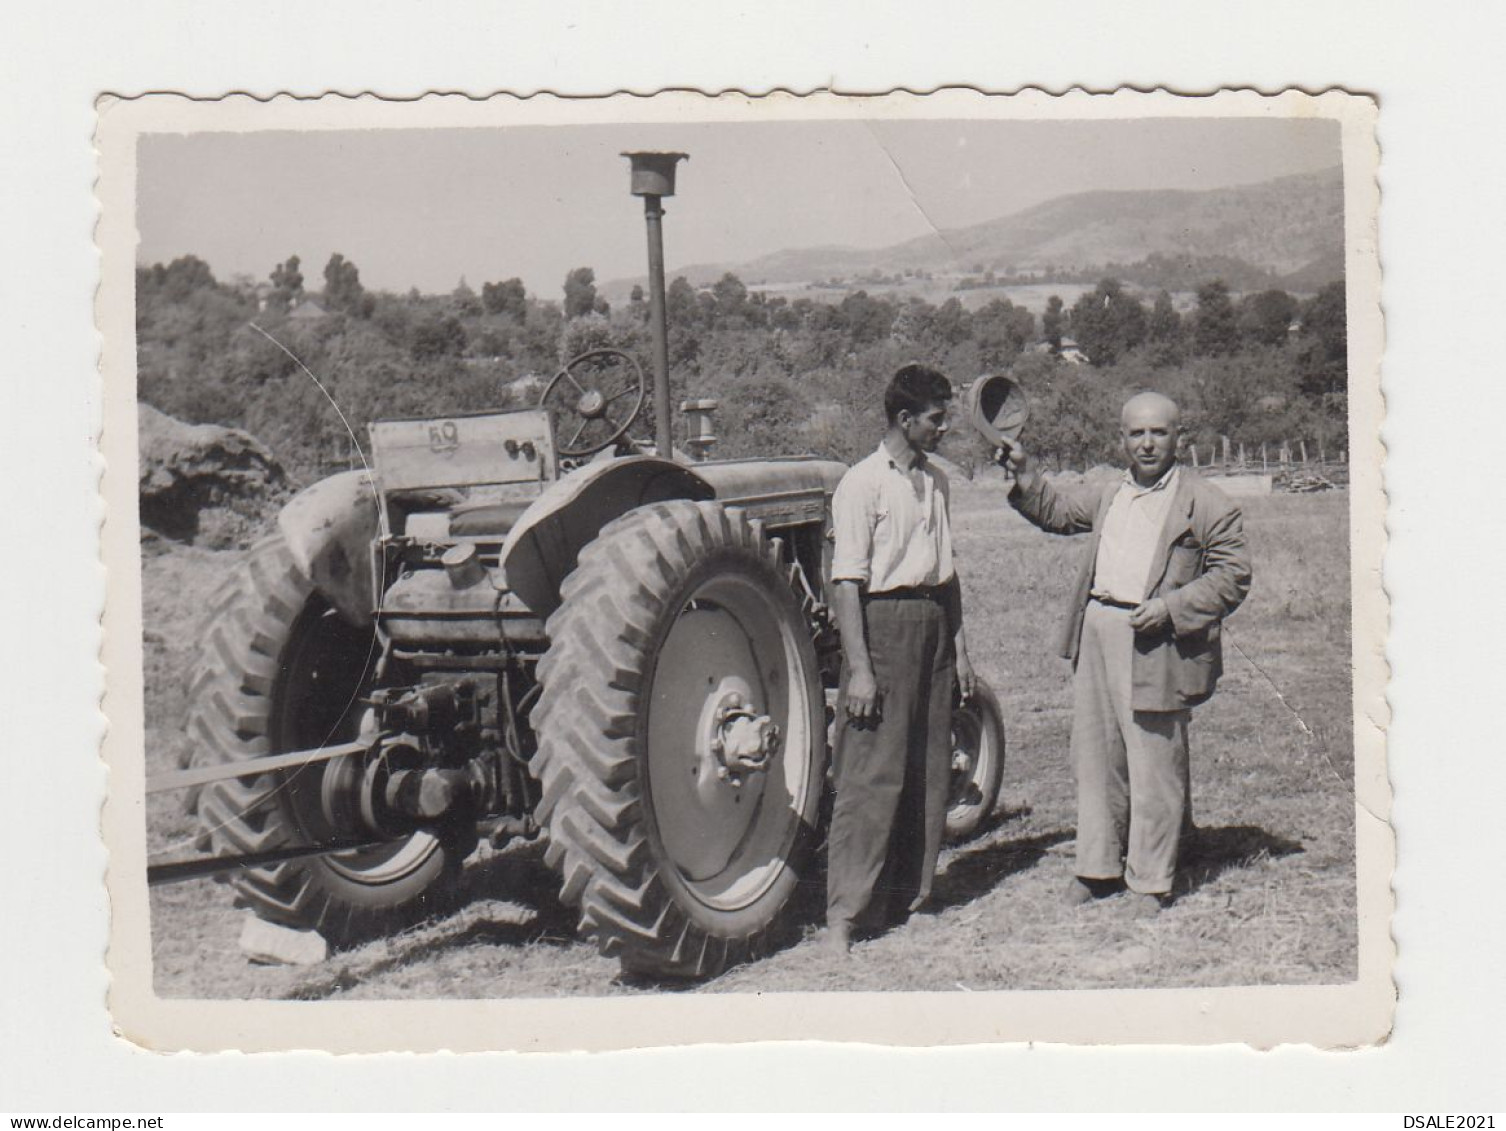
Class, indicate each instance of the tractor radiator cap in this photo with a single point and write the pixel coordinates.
(998, 408)
(463, 565)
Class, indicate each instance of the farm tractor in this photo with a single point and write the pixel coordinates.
(529, 624)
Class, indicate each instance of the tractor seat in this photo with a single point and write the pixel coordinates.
(477, 520)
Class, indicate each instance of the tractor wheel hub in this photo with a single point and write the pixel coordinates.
(734, 739)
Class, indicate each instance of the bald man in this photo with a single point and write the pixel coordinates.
(1165, 563)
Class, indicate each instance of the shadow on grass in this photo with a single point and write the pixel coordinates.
(975, 868)
(1210, 852)
(994, 820)
(519, 879)
(972, 873)
(521, 876)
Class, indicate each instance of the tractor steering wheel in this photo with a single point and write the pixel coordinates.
(601, 393)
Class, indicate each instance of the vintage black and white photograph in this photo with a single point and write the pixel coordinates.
(718, 554)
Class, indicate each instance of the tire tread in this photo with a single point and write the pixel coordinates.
(585, 720)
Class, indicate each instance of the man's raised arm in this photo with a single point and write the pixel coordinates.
(1052, 509)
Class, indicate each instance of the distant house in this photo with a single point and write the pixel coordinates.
(1070, 352)
(308, 311)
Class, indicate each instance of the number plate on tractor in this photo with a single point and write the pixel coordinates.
(463, 451)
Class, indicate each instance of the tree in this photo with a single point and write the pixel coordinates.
(1323, 362)
(582, 335)
(1108, 322)
(394, 319)
(1215, 332)
(1001, 330)
(507, 297)
(467, 305)
(867, 319)
(179, 279)
(679, 304)
(580, 292)
(441, 336)
(910, 322)
(1265, 318)
(951, 324)
(1052, 321)
(760, 415)
(1165, 322)
(342, 287)
(1073, 410)
(287, 286)
(782, 314)
(731, 298)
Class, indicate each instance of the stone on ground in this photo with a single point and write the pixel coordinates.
(272, 944)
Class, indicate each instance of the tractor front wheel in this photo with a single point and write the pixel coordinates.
(977, 763)
(681, 748)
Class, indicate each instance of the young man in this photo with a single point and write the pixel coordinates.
(1165, 563)
(899, 608)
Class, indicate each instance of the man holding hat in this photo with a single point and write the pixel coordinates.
(1166, 562)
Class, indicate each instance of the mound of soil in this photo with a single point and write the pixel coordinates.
(205, 484)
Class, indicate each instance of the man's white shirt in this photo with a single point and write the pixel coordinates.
(1127, 542)
(890, 519)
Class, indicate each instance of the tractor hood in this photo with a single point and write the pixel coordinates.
(778, 492)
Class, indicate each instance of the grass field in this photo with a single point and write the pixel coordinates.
(1267, 894)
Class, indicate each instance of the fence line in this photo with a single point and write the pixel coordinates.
(1284, 458)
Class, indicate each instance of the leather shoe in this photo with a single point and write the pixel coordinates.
(1078, 893)
(1147, 906)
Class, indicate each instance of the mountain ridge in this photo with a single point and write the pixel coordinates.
(1287, 226)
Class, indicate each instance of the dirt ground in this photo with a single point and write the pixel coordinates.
(1267, 894)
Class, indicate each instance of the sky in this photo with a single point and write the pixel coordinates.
(424, 208)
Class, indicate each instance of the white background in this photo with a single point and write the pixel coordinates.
(1432, 67)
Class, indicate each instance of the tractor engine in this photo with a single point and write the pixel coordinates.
(445, 754)
(428, 762)
(464, 604)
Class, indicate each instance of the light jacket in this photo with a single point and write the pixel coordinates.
(1201, 570)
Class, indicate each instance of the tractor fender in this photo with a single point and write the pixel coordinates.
(545, 542)
(329, 529)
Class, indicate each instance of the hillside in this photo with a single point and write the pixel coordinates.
(1291, 225)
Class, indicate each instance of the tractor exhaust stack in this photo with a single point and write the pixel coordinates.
(653, 178)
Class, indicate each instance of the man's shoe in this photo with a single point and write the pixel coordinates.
(839, 939)
(1078, 893)
(1146, 906)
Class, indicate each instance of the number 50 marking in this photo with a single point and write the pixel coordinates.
(444, 436)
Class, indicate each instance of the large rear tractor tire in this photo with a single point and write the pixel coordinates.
(977, 763)
(675, 610)
(279, 671)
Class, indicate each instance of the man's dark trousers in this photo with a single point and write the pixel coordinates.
(892, 775)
